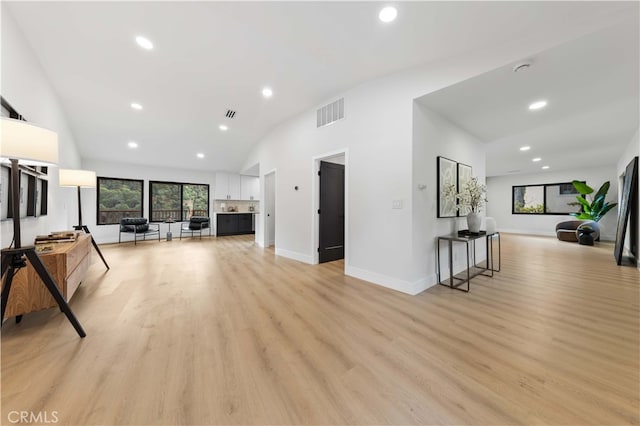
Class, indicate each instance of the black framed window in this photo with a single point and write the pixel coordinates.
(177, 201)
(32, 195)
(6, 207)
(44, 197)
(547, 198)
(118, 198)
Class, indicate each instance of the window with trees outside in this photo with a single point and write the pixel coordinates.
(118, 198)
(177, 201)
(548, 198)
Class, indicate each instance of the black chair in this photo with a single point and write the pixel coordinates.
(196, 225)
(138, 226)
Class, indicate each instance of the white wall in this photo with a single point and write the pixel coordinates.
(26, 87)
(378, 133)
(435, 136)
(499, 194)
(632, 150)
(109, 233)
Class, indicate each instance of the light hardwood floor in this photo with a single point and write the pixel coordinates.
(220, 331)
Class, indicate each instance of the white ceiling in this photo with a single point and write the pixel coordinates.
(210, 56)
(592, 88)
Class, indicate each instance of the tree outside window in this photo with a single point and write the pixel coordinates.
(177, 201)
(118, 198)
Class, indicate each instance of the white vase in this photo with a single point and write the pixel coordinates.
(473, 222)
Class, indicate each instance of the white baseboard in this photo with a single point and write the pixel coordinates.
(403, 286)
(294, 255)
(424, 283)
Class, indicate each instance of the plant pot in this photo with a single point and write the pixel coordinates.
(473, 222)
(584, 237)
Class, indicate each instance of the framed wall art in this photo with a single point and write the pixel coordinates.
(464, 176)
(447, 175)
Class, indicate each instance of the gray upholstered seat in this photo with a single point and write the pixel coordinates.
(567, 231)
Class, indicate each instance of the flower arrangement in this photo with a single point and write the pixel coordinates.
(471, 198)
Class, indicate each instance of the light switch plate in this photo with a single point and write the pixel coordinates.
(396, 204)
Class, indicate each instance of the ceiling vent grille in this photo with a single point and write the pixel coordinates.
(330, 113)
(230, 113)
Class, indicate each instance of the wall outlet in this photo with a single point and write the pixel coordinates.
(396, 204)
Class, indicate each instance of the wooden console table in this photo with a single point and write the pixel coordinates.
(67, 264)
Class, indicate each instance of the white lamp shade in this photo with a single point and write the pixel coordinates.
(84, 178)
(27, 143)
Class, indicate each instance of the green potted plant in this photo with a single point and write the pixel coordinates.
(595, 208)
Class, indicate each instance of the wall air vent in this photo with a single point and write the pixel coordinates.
(230, 113)
(330, 113)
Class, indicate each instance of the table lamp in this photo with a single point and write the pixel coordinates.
(81, 179)
(21, 142)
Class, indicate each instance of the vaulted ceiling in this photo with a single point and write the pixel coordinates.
(212, 56)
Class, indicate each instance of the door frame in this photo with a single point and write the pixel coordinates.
(315, 197)
(265, 234)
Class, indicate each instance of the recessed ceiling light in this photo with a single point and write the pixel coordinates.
(525, 148)
(535, 160)
(388, 14)
(545, 167)
(538, 105)
(223, 127)
(267, 92)
(136, 105)
(144, 42)
(200, 155)
(132, 144)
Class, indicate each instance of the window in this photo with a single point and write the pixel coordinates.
(32, 195)
(177, 201)
(44, 191)
(5, 191)
(553, 198)
(118, 198)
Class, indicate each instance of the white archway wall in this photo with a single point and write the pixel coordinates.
(435, 136)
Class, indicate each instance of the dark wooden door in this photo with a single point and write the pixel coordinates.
(331, 212)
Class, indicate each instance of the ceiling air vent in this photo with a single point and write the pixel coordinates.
(330, 113)
(230, 113)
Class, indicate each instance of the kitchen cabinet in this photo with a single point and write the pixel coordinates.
(227, 224)
(249, 188)
(234, 224)
(227, 186)
(244, 223)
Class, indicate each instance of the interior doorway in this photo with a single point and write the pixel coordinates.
(270, 209)
(331, 212)
(331, 227)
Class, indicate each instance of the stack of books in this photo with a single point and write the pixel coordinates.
(57, 237)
